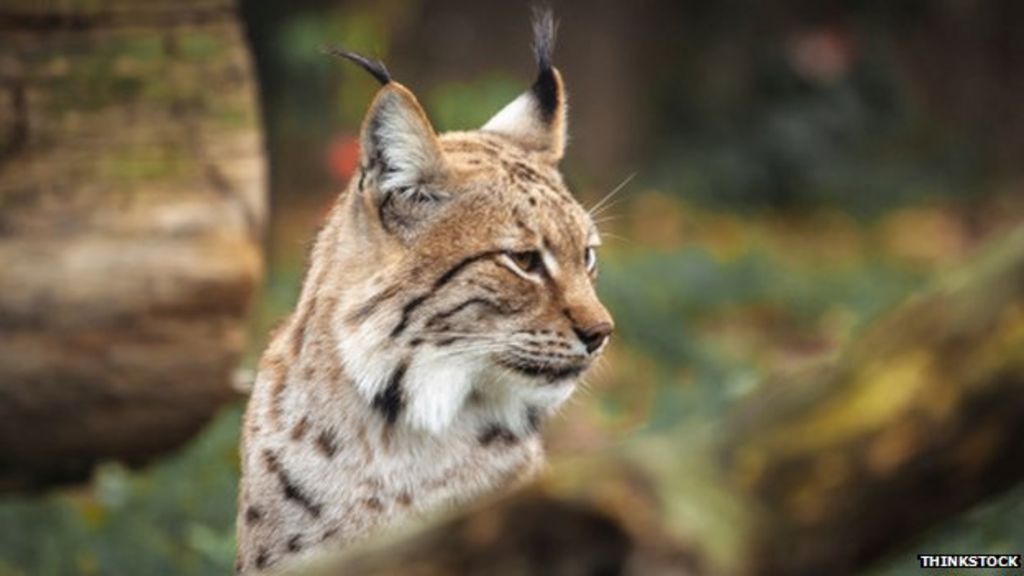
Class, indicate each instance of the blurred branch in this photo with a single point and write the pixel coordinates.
(919, 418)
(818, 473)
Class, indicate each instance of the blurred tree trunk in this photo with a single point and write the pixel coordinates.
(131, 209)
(817, 473)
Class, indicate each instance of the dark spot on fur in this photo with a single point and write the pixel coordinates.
(328, 534)
(391, 401)
(405, 498)
(295, 543)
(373, 503)
(253, 515)
(533, 418)
(262, 559)
(362, 177)
(290, 489)
(497, 433)
(300, 429)
(326, 444)
(292, 492)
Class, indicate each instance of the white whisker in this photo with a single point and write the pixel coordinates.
(607, 207)
(616, 237)
(593, 211)
(607, 218)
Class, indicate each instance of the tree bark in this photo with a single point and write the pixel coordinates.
(131, 209)
(819, 472)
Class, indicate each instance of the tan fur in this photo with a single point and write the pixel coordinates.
(420, 358)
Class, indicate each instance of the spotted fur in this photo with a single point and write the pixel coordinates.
(448, 309)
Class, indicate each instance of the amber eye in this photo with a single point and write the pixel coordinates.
(590, 260)
(529, 262)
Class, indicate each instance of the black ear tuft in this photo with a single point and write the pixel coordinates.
(545, 88)
(537, 118)
(376, 68)
(544, 31)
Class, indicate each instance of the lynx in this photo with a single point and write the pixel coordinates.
(448, 310)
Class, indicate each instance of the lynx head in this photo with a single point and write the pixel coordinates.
(463, 265)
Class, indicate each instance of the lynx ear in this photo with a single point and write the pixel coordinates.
(398, 143)
(537, 118)
(402, 166)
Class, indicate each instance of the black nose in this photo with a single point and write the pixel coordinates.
(594, 336)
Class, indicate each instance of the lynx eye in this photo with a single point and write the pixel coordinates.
(590, 259)
(528, 262)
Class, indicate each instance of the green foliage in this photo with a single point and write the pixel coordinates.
(663, 300)
(468, 105)
(303, 37)
(175, 517)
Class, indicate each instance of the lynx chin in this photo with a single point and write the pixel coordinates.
(448, 310)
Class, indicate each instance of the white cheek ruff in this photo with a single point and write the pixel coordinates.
(509, 399)
(368, 357)
(436, 388)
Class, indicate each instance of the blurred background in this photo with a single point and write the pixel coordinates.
(788, 171)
